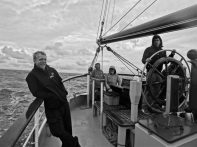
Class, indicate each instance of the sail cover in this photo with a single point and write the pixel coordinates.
(183, 19)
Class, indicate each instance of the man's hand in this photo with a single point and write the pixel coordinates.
(148, 60)
(172, 53)
(110, 90)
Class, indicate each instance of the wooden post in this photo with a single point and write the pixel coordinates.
(88, 91)
(135, 94)
(101, 110)
(172, 94)
(36, 124)
(93, 85)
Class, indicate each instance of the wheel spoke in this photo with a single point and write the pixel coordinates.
(166, 68)
(181, 59)
(175, 69)
(160, 91)
(156, 83)
(159, 73)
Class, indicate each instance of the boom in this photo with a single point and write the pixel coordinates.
(183, 19)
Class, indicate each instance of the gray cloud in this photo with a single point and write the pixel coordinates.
(69, 49)
(67, 30)
(3, 59)
(8, 51)
(83, 63)
(85, 52)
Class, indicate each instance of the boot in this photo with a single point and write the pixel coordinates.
(77, 142)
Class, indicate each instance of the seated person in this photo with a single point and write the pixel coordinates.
(112, 79)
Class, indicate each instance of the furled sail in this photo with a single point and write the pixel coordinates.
(183, 19)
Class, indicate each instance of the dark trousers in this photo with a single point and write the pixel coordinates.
(62, 127)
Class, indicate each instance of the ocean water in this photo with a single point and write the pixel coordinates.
(15, 96)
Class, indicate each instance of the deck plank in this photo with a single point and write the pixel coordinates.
(87, 128)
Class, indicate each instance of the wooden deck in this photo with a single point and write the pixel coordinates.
(85, 126)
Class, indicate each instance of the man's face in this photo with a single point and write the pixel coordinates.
(40, 61)
(157, 42)
(97, 66)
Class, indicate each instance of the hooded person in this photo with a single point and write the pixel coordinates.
(156, 46)
(112, 78)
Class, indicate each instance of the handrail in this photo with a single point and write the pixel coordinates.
(11, 136)
(96, 79)
(101, 96)
(74, 77)
(129, 75)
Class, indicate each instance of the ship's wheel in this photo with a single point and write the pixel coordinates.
(154, 87)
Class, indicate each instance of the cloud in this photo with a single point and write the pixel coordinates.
(23, 5)
(84, 52)
(83, 63)
(67, 30)
(17, 54)
(69, 46)
(3, 59)
(74, 37)
(68, 65)
(69, 2)
(12, 58)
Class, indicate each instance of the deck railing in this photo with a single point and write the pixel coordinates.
(101, 96)
(102, 84)
(10, 138)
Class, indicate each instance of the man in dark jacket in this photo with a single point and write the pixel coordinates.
(45, 83)
(156, 46)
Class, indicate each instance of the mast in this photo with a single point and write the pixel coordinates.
(183, 19)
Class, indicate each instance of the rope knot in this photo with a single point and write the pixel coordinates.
(108, 48)
(98, 50)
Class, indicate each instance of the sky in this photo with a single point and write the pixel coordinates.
(67, 31)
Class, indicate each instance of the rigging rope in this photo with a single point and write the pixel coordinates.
(100, 19)
(108, 8)
(126, 65)
(95, 57)
(139, 15)
(113, 11)
(103, 21)
(105, 10)
(132, 65)
(122, 17)
(122, 59)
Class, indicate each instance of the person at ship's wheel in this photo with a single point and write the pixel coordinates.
(156, 46)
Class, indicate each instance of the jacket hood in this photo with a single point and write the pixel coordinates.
(157, 37)
(112, 67)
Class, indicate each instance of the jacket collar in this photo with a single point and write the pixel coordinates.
(39, 69)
